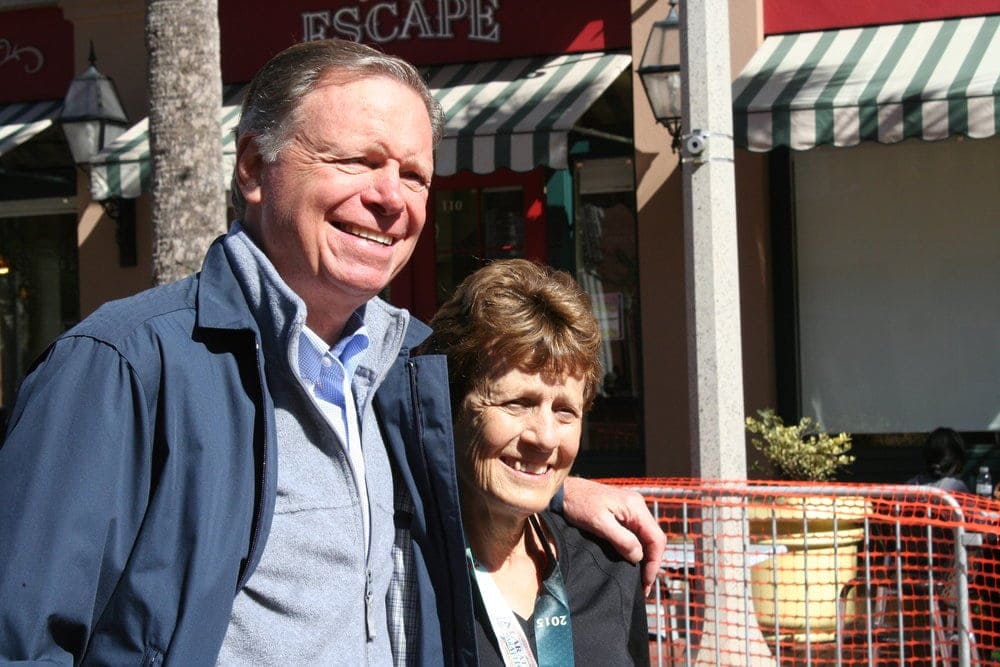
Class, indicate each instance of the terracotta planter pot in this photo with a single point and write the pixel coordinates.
(793, 514)
(796, 593)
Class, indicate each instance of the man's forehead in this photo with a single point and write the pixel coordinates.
(327, 109)
(339, 80)
(342, 78)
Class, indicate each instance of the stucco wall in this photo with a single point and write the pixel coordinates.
(116, 28)
(661, 258)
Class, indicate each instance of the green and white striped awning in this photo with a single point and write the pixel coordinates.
(510, 114)
(123, 168)
(516, 114)
(20, 122)
(931, 80)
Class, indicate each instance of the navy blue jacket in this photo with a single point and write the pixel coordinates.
(138, 475)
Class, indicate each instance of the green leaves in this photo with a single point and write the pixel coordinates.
(800, 451)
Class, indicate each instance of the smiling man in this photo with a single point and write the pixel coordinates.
(247, 466)
(339, 211)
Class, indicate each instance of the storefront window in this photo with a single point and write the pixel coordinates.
(473, 226)
(898, 261)
(39, 295)
(607, 267)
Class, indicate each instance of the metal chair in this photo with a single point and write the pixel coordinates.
(905, 597)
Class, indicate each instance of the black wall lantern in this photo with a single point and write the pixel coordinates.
(92, 115)
(660, 71)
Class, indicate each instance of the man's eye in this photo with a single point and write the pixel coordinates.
(415, 181)
(354, 164)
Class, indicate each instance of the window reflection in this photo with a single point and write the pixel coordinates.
(473, 226)
(607, 267)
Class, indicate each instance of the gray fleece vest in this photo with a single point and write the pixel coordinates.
(316, 597)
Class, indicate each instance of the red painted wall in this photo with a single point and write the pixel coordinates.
(36, 55)
(422, 31)
(782, 16)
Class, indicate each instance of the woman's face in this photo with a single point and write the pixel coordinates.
(518, 439)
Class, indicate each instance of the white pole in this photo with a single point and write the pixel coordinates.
(711, 257)
(732, 636)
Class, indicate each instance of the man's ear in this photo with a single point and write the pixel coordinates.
(249, 165)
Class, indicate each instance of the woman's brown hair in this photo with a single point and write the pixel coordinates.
(514, 313)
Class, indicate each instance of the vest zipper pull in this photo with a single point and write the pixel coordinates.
(369, 607)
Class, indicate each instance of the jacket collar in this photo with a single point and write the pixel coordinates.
(221, 303)
(416, 333)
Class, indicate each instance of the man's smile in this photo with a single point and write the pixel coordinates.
(354, 230)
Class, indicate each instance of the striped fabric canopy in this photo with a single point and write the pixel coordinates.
(123, 168)
(20, 122)
(516, 114)
(513, 114)
(885, 83)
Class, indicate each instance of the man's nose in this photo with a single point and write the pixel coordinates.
(384, 192)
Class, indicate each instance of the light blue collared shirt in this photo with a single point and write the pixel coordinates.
(326, 373)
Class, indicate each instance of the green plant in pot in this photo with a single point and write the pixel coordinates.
(803, 451)
(796, 593)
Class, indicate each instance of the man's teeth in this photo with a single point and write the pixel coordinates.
(521, 466)
(368, 234)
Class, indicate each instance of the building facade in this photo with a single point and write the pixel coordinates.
(865, 160)
(879, 126)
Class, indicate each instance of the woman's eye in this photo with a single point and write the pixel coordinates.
(567, 413)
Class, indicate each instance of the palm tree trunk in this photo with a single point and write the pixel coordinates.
(185, 87)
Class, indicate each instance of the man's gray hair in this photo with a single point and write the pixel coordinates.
(270, 107)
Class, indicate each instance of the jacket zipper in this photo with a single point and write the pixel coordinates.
(261, 500)
(411, 376)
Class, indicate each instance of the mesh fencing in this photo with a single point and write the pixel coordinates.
(770, 573)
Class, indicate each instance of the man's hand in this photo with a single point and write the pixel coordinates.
(619, 516)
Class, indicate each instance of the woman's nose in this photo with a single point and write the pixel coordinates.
(542, 430)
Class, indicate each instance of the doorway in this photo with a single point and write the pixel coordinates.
(39, 292)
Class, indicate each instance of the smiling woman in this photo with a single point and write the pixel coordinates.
(523, 357)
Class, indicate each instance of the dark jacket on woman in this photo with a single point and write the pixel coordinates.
(606, 600)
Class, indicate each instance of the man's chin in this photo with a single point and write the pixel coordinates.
(357, 290)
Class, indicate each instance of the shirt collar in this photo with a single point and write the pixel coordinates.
(313, 349)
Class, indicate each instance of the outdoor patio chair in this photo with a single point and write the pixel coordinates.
(905, 601)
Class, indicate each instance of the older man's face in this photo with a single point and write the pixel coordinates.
(341, 208)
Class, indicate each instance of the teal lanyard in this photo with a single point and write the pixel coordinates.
(553, 629)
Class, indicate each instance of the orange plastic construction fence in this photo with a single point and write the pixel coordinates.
(775, 573)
